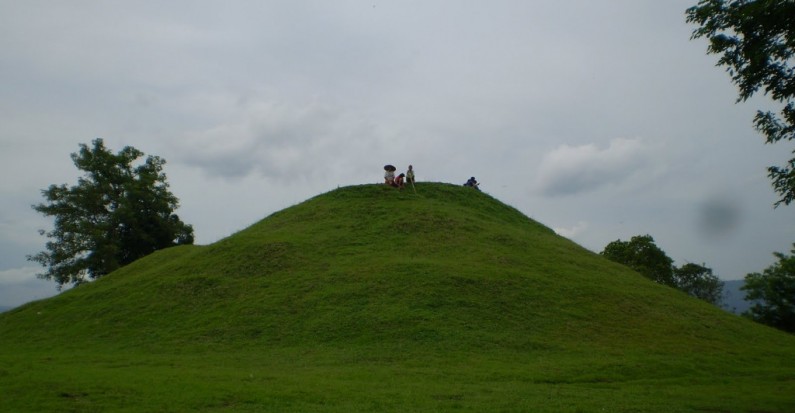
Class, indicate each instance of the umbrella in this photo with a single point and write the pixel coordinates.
(389, 168)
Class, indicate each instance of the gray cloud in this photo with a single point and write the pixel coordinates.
(573, 231)
(569, 170)
(20, 285)
(281, 141)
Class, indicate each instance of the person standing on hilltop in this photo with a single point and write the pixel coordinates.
(410, 175)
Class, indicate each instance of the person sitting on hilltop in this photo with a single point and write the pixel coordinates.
(472, 183)
(389, 177)
(398, 183)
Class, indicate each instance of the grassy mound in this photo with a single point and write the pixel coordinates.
(367, 298)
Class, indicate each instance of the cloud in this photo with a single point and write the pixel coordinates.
(575, 230)
(18, 275)
(569, 170)
(20, 285)
(280, 140)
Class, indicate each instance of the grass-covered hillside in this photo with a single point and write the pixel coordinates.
(367, 298)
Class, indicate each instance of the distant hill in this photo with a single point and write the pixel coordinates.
(367, 298)
(4, 308)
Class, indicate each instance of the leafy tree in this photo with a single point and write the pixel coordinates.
(115, 214)
(773, 294)
(756, 41)
(642, 255)
(698, 281)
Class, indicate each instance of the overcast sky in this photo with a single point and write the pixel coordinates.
(600, 119)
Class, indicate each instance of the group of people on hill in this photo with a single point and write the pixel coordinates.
(401, 180)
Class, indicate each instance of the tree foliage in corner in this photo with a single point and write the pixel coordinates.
(118, 212)
(642, 255)
(773, 294)
(756, 41)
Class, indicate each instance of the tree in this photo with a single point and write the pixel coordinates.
(756, 39)
(698, 281)
(115, 214)
(642, 255)
(773, 294)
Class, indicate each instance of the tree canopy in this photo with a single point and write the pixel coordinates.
(642, 255)
(756, 41)
(698, 281)
(773, 293)
(118, 212)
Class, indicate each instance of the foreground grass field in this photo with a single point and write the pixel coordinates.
(347, 380)
(370, 299)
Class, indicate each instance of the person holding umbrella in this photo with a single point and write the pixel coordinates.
(389, 175)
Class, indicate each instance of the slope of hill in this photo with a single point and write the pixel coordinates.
(370, 299)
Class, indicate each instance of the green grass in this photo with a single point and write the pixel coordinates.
(370, 299)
